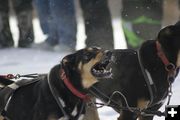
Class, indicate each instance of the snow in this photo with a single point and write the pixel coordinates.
(26, 61)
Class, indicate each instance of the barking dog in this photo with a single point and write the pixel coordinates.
(61, 94)
(158, 60)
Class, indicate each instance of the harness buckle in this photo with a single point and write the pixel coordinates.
(10, 76)
(17, 76)
(170, 67)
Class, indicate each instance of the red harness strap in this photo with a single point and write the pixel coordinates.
(9, 76)
(169, 66)
(72, 88)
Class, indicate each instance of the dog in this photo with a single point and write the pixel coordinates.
(157, 60)
(62, 94)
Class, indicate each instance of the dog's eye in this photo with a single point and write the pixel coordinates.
(87, 56)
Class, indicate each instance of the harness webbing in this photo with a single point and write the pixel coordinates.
(7, 92)
(150, 84)
(58, 99)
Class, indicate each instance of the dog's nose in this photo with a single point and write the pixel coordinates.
(108, 53)
(96, 48)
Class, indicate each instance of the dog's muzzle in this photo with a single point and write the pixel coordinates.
(103, 68)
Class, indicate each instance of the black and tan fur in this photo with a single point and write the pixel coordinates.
(129, 80)
(36, 102)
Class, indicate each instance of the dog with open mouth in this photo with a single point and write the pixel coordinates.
(62, 94)
(142, 79)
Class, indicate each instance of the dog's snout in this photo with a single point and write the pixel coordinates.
(108, 53)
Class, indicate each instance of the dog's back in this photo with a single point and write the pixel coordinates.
(29, 100)
(25, 98)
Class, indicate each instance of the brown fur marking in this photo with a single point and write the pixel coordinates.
(87, 78)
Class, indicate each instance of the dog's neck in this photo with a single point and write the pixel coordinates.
(152, 60)
(154, 64)
(58, 84)
(71, 87)
(60, 91)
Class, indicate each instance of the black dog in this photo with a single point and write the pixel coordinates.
(157, 64)
(61, 94)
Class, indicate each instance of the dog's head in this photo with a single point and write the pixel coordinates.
(169, 38)
(87, 65)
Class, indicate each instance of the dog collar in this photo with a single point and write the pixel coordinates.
(170, 68)
(168, 65)
(70, 86)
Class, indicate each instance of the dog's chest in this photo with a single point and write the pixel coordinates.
(66, 111)
(64, 118)
(76, 113)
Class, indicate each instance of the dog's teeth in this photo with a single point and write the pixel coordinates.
(106, 71)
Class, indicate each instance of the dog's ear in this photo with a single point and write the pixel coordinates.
(170, 35)
(165, 33)
(68, 60)
(169, 32)
(68, 64)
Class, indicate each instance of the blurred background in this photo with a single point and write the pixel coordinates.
(36, 34)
